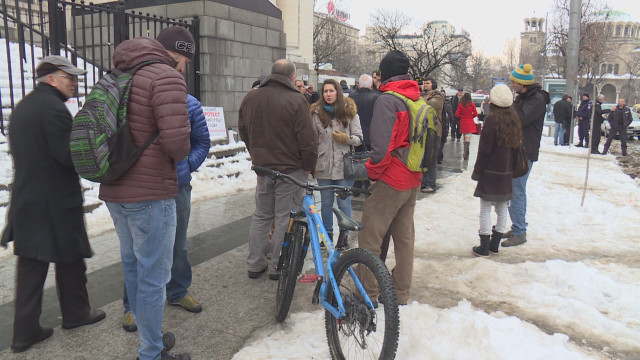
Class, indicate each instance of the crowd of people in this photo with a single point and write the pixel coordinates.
(286, 126)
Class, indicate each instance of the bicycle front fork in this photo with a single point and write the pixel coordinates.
(286, 244)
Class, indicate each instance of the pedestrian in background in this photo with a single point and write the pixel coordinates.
(447, 119)
(466, 112)
(142, 201)
(45, 218)
(501, 137)
(597, 123)
(562, 112)
(455, 124)
(584, 117)
(365, 99)
(337, 125)
(434, 98)
(619, 119)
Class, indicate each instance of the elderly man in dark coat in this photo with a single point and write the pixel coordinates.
(46, 220)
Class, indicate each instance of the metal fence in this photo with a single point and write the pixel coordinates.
(87, 34)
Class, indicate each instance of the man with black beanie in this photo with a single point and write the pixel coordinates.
(394, 187)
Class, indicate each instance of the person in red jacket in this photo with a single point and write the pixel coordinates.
(466, 112)
(393, 186)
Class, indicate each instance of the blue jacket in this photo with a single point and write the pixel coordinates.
(584, 110)
(200, 142)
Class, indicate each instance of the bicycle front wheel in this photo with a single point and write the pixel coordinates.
(289, 273)
(363, 333)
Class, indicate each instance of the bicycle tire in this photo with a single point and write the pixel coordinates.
(289, 273)
(352, 337)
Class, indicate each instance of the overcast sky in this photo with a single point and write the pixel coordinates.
(490, 22)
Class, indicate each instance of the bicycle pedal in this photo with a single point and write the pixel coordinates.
(309, 278)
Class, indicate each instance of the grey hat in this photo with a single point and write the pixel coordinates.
(54, 63)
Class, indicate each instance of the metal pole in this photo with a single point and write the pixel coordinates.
(572, 55)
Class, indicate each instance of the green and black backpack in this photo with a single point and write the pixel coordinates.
(423, 138)
(101, 146)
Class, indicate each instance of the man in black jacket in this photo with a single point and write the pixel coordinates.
(562, 111)
(584, 117)
(619, 118)
(531, 105)
(46, 219)
(597, 124)
(455, 122)
(365, 98)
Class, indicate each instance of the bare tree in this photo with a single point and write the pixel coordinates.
(633, 65)
(510, 53)
(332, 42)
(478, 72)
(427, 50)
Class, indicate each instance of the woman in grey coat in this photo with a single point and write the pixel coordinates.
(336, 121)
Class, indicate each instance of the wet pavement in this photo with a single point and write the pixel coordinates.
(235, 308)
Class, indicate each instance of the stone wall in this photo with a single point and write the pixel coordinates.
(237, 44)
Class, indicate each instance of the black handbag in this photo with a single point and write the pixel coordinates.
(520, 162)
(354, 168)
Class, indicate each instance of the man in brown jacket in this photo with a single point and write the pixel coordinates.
(275, 125)
(142, 201)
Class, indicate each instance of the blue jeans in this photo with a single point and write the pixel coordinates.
(518, 203)
(326, 198)
(147, 232)
(558, 135)
(178, 286)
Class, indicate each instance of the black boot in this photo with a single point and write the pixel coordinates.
(494, 244)
(483, 249)
(465, 155)
(605, 150)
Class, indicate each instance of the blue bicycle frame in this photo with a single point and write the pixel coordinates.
(317, 232)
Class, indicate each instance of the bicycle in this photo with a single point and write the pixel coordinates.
(355, 325)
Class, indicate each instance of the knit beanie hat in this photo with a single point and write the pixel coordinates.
(394, 63)
(522, 75)
(179, 40)
(501, 96)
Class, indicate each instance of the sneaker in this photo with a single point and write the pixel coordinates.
(515, 240)
(427, 190)
(188, 303)
(274, 276)
(128, 322)
(166, 355)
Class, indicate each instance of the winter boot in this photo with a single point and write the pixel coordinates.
(483, 249)
(605, 150)
(465, 155)
(494, 244)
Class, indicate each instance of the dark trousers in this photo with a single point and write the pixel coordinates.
(429, 177)
(71, 283)
(443, 140)
(583, 131)
(567, 131)
(595, 136)
(455, 128)
(623, 139)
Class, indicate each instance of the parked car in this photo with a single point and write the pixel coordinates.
(632, 130)
(636, 108)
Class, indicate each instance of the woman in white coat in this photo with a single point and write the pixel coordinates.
(337, 124)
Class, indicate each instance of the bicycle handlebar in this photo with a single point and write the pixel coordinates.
(343, 190)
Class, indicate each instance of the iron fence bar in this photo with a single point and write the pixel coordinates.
(8, 45)
(93, 48)
(45, 45)
(53, 28)
(33, 58)
(101, 46)
(109, 40)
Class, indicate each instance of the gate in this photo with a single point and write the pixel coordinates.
(85, 33)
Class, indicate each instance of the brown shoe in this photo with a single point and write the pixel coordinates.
(128, 322)
(188, 303)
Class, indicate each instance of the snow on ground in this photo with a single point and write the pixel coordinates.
(570, 292)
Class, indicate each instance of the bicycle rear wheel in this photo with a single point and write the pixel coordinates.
(363, 333)
(289, 273)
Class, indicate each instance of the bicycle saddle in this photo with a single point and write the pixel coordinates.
(347, 223)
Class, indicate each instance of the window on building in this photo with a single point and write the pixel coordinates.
(444, 30)
(616, 67)
(626, 31)
(603, 69)
(609, 68)
(618, 30)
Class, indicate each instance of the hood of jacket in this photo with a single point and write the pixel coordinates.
(350, 105)
(278, 80)
(402, 84)
(135, 51)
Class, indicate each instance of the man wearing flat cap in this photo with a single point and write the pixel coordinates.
(142, 201)
(46, 219)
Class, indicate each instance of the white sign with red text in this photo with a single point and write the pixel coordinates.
(215, 121)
